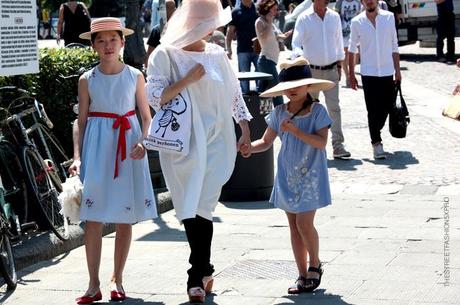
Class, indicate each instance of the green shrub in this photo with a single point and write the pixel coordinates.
(57, 95)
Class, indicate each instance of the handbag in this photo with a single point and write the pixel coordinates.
(399, 114)
(171, 126)
(452, 109)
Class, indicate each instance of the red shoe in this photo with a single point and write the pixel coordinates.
(88, 299)
(117, 295)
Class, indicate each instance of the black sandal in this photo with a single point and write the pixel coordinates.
(313, 283)
(299, 285)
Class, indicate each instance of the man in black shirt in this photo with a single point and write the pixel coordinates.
(243, 26)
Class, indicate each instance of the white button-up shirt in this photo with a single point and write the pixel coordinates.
(320, 41)
(377, 44)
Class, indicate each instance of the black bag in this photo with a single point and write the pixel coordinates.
(399, 115)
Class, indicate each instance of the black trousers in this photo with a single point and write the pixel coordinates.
(379, 94)
(445, 28)
(199, 232)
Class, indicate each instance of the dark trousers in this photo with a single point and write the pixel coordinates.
(445, 28)
(199, 235)
(379, 94)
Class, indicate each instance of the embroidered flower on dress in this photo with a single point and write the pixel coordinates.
(303, 183)
(89, 202)
(148, 203)
(128, 209)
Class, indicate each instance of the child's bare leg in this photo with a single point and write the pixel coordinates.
(122, 244)
(93, 245)
(298, 246)
(307, 230)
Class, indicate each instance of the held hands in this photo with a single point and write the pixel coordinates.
(137, 151)
(74, 168)
(244, 145)
(195, 74)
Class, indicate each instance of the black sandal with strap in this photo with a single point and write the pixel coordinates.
(299, 285)
(313, 283)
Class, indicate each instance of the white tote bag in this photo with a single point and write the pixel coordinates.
(170, 129)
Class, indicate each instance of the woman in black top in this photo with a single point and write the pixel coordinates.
(75, 17)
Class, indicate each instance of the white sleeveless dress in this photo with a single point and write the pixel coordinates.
(128, 198)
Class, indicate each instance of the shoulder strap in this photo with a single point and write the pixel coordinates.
(175, 69)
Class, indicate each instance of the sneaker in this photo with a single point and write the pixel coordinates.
(441, 59)
(341, 153)
(379, 153)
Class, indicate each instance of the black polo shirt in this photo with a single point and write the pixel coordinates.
(244, 20)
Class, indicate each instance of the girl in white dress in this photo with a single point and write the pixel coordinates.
(114, 168)
(195, 180)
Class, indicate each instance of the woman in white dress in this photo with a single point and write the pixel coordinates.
(114, 168)
(204, 71)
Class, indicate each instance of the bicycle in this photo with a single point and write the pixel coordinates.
(7, 264)
(30, 143)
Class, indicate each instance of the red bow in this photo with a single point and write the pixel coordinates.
(122, 122)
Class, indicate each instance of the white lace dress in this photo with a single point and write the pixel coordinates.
(195, 180)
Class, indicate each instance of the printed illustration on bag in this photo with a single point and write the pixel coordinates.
(169, 125)
(176, 107)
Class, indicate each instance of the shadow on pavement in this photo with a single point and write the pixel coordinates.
(248, 205)
(396, 160)
(164, 233)
(318, 297)
(344, 165)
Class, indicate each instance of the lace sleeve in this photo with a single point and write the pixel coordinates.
(154, 88)
(239, 109)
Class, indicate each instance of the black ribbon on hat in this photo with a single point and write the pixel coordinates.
(294, 73)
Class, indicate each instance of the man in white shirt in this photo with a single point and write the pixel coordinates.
(318, 36)
(374, 30)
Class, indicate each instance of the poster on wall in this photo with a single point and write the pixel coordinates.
(18, 37)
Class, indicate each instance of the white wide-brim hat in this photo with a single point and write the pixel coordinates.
(105, 24)
(193, 20)
(296, 73)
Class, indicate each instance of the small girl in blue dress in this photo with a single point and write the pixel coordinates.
(302, 182)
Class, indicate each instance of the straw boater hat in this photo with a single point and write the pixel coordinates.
(105, 24)
(295, 73)
(193, 20)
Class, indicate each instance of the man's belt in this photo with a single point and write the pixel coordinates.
(327, 67)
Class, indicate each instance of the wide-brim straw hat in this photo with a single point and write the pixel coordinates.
(193, 20)
(296, 73)
(105, 24)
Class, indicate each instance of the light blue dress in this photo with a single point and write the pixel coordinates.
(302, 181)
(128, 198)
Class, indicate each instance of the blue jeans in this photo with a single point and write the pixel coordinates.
(244, 65)
(268, 66)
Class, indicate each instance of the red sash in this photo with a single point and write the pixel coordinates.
(122, 122)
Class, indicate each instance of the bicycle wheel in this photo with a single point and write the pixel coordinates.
(56, 159)
(14, 183)
(7, 265)
(45, 193)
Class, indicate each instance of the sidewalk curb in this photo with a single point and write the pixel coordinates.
(46, 246)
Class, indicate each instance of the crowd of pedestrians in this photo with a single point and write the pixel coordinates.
(109, 153)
